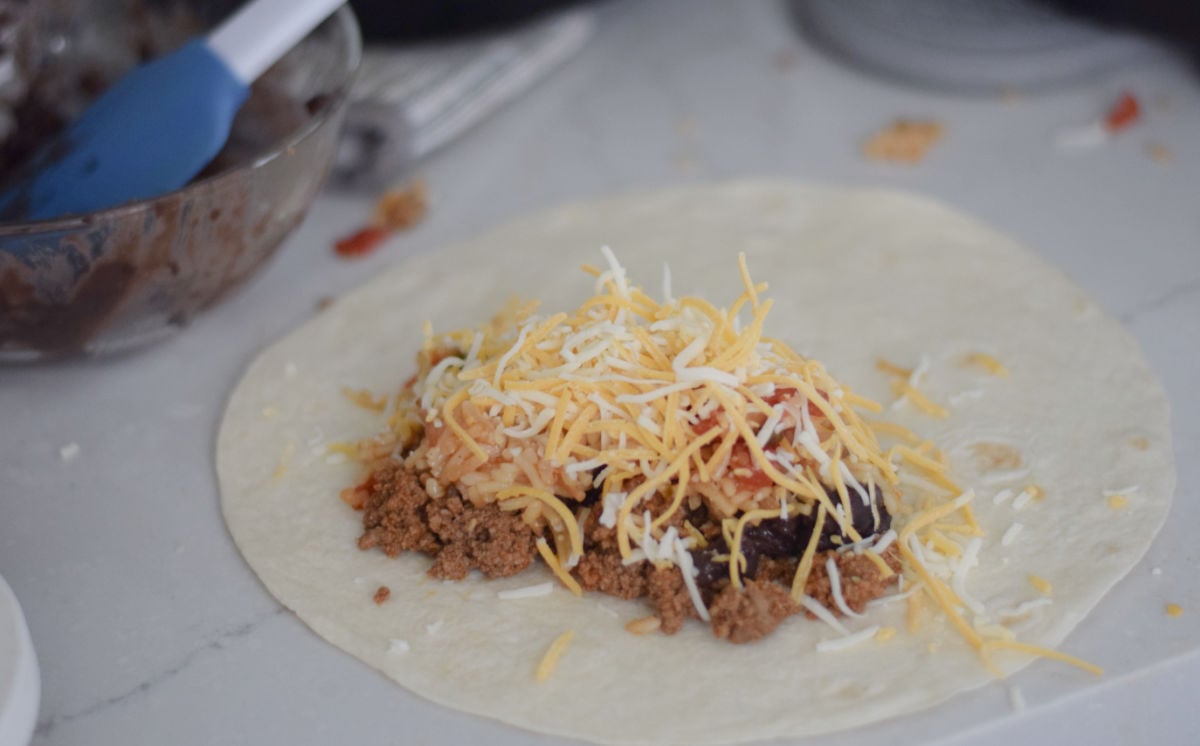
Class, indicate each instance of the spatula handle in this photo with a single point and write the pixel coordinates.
(262, 31)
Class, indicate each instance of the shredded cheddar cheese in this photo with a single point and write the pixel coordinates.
(1040, 584)
(1174, 610)
(905, 390)
(365, 399)
(553, 654)
(625, 370)
(557, 568)
(988, 363)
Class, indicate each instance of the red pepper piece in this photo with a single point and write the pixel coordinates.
(1123, 113)
(361, 243)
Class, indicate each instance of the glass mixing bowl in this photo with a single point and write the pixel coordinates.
(122, 278)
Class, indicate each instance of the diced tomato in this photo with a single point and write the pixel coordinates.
(745, 471)
(706, 424)
(779, 395)
(361, 243)
(1123, 113)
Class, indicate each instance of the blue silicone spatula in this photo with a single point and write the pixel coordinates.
(163, 122)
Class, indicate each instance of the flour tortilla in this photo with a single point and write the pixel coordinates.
(856, 275)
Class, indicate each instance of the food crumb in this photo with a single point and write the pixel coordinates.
(1156, 571)
(397, 647)
(885, 633)
(903, 141)
(1140, 443)
(69, 452)
(402, 207)
(324, 302)
(1116, 502)
(1160, 153)
(398, 209)
(360, 243)
(1174, 610)
(381, 594)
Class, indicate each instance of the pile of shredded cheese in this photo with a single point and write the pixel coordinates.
(641, 399)
(637, 397)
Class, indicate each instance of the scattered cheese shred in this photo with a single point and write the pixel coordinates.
(553, 654)
(529, 591)
(1174, 610)
(365, 399)
(904, 390)
(849, 641)
(1002, 644)
(988, 363)
(1016, 699)
(644, 625)
(892, 369)
(1116, 502)
(1041, 585)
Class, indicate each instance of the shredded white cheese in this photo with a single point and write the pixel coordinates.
(849, 641)
(820, 612)
(1011, 534)
(835, 587)
(529, 591)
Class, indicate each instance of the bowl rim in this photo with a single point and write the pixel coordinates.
(348, 23)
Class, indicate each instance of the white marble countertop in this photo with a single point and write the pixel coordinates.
(151, 629)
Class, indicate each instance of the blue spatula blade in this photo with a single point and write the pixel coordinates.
(149, 134)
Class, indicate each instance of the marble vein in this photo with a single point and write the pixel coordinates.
(219, 642)
(1164, 299)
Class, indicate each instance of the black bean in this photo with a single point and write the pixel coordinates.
(779, 537)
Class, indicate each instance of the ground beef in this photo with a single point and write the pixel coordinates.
(394, 514)
(668, 594)
(381, 594)
(777, 570)
(860, 578)
(751, 613)
(596, 535)
(602, 570)
(494, 541)
(398, 516)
